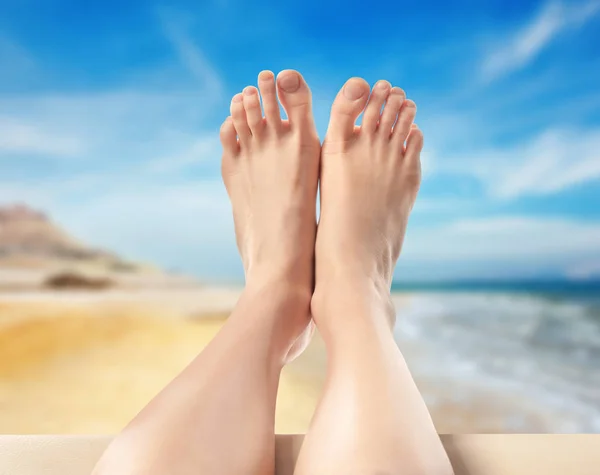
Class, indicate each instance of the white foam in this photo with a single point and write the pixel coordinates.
(544, 352)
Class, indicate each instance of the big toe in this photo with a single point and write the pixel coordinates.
(295, 97)
(348, 105)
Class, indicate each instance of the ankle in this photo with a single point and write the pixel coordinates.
(292, 276)
(352, 300)
(285, 306)
(275, 314)
(356, 271)
(279, 291)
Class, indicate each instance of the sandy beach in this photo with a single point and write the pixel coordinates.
(79, 362)
(85, 362)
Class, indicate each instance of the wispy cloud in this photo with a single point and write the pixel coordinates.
(523, 46)
(27, 139)
(136, 125)
(14, 59)
(114, 130)
(504, 237)
(510, 245)
(549, 163)
(193, 151)
(190, 54)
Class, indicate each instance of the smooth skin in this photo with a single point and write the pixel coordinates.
(217, 416)
(371, 418)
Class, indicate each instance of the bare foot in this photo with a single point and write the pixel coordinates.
(370, 176)
(271, 172)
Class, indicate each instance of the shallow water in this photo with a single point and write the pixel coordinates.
(540, 352)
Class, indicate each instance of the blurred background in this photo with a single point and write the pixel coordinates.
(117, 254)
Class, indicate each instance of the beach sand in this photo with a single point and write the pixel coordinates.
(87, 362)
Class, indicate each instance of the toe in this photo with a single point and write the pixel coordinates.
(412, 157)
(268, 91)
(238, 114)
(346, 108)
(414, 143)
(405, 121)
(228, 137)
(253, 112)
(295, 98)
(390, 111)
(373, 111)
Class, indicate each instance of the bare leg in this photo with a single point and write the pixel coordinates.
(371, 419)
(217, 416)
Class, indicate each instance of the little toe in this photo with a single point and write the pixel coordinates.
(405, 121)
(412, 157)
(253, 112)
(268, 92)
(238, 114)
(295, 97)
(379, 94)
(390, 112)
(228, 137)
(414, 143)
(346, 108)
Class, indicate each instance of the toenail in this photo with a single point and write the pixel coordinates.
(353, 91)
(383, 85)
(249, 91)
(237, 98)
(265, 76)
(289, 82)
(397, 90)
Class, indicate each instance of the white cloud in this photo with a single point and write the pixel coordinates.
(449, 205)
(22, 138)
(550, 162)
(523, 46)
(508, 239)
(192, 56)
(125, 125)
(176, 224)
(553, 161)
(193, 151)
(109, 130)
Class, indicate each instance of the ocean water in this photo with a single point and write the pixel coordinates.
(536, 346)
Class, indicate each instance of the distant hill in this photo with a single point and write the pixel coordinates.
(30, 239)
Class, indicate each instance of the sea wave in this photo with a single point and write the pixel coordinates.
(542, 351)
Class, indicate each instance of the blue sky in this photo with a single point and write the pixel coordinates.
(109, 113)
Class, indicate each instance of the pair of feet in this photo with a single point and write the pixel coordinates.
(369, 177)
